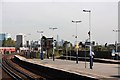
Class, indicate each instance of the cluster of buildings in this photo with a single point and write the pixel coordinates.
(43, 44)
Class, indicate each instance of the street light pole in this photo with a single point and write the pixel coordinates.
(91, 61)
(41, 54)
(53, 28)
(76, 21)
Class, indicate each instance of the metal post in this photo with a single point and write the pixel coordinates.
(85, 56)
(76, 44)
(70, 52)
(91, 62)
(66, 54)
(53, 45)
(77, 56)
(76, 40)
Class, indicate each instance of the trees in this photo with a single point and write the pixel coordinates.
(8, 43)
(101, 48)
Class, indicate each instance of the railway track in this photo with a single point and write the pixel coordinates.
(13, 73)
(17, 72)
(21, 70)
(5, 76)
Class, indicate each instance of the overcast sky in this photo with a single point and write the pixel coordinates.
(28, 17)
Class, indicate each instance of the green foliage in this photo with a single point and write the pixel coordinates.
(57, 54)
(59, 49)
(38, 55)
(97, 48)
(9, 43)
(100, 48)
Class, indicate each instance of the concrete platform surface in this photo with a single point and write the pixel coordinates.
(99, 71)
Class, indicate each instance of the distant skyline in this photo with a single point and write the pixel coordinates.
(30, 17)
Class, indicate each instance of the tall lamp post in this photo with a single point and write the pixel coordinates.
(76, 21)
(41, 53)
(116, 40)
(91, 61)
(53, 28)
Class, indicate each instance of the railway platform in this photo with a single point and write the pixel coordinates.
(101, 71)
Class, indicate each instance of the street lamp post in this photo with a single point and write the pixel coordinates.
(53, 28)
(76, 21)
(41, 53)
(91, 61)
(116, 40)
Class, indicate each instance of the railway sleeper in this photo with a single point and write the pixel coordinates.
(23, 71)
(11, 73)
